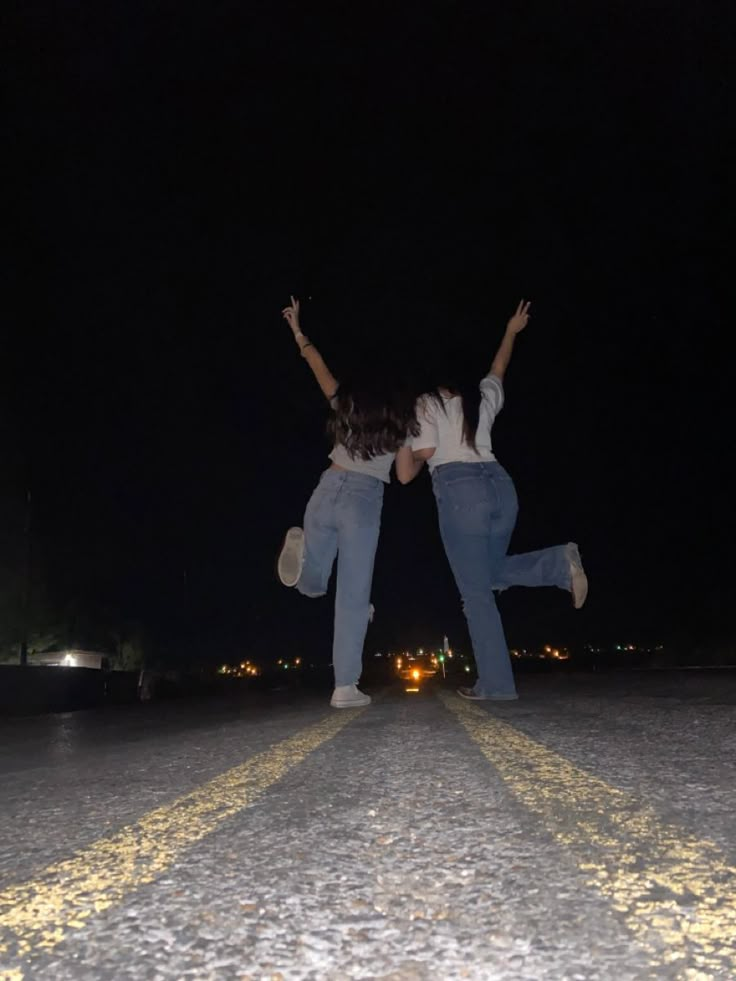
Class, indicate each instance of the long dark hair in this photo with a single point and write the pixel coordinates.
(372, 415)
(457, 372)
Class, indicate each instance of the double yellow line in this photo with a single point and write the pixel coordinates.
(675, 892)
(37, 915)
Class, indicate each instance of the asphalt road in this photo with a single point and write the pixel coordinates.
(586, 832)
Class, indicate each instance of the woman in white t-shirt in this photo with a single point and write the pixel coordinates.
(477, 508)
(368, 423)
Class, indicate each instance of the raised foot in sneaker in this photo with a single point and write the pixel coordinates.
(291, 557)
(578, 579)
(349, 696)
(475, 696)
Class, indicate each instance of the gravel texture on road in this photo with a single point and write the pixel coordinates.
(395, 848)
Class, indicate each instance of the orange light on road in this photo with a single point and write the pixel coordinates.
(411, 689)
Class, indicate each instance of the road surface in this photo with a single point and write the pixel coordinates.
(585, 832)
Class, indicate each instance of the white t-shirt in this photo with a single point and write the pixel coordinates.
(378, 466)
(444, 430)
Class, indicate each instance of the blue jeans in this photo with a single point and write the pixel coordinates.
(343, 518)
(477, 508)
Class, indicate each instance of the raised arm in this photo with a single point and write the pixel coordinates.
(517, 323)
(325, 379)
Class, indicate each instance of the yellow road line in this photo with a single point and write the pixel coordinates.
(676, 893)
(39, 913)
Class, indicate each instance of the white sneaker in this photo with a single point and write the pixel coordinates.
(349, 696)
(579, 581)
(291, 559)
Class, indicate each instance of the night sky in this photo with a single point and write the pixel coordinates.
(410, 171)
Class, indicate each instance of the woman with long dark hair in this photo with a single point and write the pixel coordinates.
(370, 420)
(477, 508)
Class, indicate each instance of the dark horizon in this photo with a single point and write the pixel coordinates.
(176, 174)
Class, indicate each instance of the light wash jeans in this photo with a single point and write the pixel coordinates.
(343, 518)
(477, 507)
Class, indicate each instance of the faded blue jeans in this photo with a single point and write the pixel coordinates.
(477, 507)
(343, 518)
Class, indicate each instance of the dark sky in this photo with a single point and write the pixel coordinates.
(176, 170)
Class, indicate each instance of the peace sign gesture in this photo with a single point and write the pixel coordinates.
(520, 319)
(291, 316)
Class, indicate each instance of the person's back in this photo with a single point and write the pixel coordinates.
(371, 416)
(441, 416)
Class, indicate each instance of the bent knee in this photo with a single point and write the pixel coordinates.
(309, 594)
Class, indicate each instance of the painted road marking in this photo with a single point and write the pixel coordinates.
(676, 893)
(39, 913)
